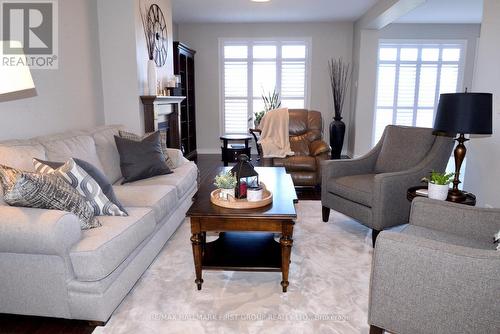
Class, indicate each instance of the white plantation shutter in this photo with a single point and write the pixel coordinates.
(251, 68)
(410, 78)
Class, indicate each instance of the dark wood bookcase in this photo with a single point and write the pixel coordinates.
(184, 67)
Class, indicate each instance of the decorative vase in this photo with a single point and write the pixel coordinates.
(225, 193)
(152, 77)
(337, 132)
(438, 191)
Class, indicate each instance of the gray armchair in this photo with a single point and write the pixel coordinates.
(440, 275)
(372, 189)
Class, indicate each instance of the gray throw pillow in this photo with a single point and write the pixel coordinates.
(94, 172)
(48, 192)
(86, 186)
(163, 140)
(141, 159)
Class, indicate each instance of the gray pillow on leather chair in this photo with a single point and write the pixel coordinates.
(141, 160)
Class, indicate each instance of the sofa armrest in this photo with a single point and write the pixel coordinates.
(318, 147)
(463, 220)
(37, 231)
(415, 279)
(176, 156)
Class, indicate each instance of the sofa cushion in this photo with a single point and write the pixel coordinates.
(403, 148)
(183, 179)
(357, 188)
(299, 163)
(61, 149)
(19, 154)
(448, 238)
(161, 198)
(104, 138)
(100, 251)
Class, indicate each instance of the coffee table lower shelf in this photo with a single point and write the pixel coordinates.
(242, 251)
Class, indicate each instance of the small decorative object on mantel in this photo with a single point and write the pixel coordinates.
(438, 185)
(340, 79)
(246, 176)
(226, 183)
(156, 36)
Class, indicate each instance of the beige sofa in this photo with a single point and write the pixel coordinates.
(49, 267)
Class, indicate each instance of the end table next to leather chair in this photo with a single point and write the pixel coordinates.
(230, 152)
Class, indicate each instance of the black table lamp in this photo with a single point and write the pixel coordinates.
(463, 113)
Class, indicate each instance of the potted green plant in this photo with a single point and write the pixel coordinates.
(438, 185)
(271, 101)
(226, 182)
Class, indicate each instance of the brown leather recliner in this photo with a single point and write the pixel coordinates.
(306, 133)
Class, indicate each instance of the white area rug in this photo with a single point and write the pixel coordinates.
(328, 292)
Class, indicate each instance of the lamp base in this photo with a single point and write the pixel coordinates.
(456, 196)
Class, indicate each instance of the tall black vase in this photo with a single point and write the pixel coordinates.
(337, 132)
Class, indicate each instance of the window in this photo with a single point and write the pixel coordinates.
(411, 76)
(251, 68)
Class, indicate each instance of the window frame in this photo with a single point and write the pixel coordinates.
(250, 42)
(420, 44)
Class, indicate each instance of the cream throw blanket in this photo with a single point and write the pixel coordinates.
(274, 138)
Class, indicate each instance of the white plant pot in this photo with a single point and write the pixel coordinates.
(152, 77)
(437, 191)
(225, 193)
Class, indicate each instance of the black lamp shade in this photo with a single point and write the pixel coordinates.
(467, 113)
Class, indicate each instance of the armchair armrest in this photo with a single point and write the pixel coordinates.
(318, 147)
(420, 279)
(37, 231)
(176, 156)
(458, 219)
(390, 204)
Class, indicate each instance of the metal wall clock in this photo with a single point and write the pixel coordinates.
(158, 27)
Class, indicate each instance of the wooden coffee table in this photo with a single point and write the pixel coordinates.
(246, 237)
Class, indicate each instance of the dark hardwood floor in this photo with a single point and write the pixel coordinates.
(17, 324)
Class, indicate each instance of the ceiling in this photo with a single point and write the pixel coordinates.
(446, 11)
(205, 11)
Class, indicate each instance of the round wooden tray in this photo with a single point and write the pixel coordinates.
(234, 203)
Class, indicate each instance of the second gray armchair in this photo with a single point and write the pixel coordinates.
(372, 189)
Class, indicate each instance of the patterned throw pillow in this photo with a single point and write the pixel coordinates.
(94, 172)
(163, 134)
(86, 186)
(496, 239)
(45, 192)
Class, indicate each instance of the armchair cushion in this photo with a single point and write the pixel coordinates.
(403, 148)
(357, 188)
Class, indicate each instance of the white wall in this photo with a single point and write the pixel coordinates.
(67, 98)
(124, 59)
(328, 40)
(483, 155)
(367, 79)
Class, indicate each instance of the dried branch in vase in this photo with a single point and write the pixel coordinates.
(340, 79)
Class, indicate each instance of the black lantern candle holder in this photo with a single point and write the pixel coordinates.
(246, 176)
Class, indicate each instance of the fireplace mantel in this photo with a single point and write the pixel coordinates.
(162, 113)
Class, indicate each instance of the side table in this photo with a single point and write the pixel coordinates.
(230, 152)
(412, 193)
